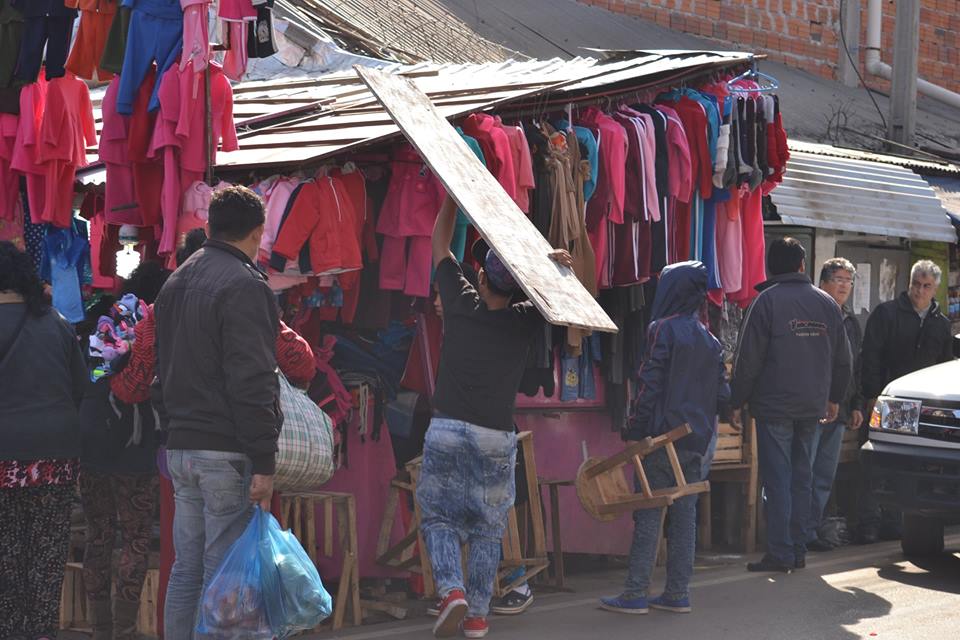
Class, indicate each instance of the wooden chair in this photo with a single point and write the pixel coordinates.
(735, 462)
(605, 493)
(298, 513)
(408, 554)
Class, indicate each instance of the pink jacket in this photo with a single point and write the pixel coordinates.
(497, 151)
(608, 199)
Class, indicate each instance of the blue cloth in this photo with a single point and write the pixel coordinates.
(681, 529)
(708, 241)
(465, 490)
(680, 349)
(587, 139)
(65, 252)
(785, 448)
(155, 35)
(459, 244)
(827, 443)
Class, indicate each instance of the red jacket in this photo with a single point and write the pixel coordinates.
(323, 214)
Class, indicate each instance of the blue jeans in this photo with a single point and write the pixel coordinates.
(465, 490)
(212, 501)
(681, 528)
(786, 449)
(827, 442)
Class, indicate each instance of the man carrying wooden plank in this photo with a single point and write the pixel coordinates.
(682, 381)
(467, 486)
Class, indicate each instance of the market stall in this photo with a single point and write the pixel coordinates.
(631, 162)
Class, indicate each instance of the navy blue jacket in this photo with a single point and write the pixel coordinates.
(682, 379)
(793, 355)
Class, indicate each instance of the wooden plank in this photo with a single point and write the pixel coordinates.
(554, 290)
(675, 463)
(533, 491)
(642, 476)
(328, 528)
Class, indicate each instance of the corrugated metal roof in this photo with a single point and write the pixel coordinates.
(860, 196)
(351, 117)
(919, 165)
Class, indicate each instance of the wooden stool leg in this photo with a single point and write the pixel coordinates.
(354, 547)
(661, 558)
(555, 534)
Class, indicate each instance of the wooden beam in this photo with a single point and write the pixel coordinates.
(554, 290)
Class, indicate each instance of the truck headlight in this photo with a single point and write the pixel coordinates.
(894, 414)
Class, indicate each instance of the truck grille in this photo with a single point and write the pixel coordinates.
(940, 423)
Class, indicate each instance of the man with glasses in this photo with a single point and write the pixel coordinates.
(902, 336)
(836, 278)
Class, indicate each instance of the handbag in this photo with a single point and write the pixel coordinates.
(305, 445)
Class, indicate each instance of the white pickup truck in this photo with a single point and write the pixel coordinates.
(912, 455)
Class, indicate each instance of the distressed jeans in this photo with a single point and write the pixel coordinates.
(827, 442)
(212, 502)
(465, 490)
(681, 528)
(785, 448)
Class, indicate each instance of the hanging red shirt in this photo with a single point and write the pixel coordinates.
(497, 151)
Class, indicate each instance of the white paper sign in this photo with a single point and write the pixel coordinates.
(888, 281)
(861, 289)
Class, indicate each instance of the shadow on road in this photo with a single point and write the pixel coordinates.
(938, 573)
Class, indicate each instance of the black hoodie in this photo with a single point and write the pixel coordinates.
(682, 379)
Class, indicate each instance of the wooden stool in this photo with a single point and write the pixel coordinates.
(557, 568)
(603, 489)
(73, 601)
(298, 513)
(409, 552)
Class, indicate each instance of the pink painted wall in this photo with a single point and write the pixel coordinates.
(557, 441)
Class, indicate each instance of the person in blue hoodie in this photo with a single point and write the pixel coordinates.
(682, 381)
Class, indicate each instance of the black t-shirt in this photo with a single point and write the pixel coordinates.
(484, 352)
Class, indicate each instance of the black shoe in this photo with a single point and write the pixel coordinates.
(512, 604)
(867, 535)
(820, 546)
(768, 564)
(800, 562)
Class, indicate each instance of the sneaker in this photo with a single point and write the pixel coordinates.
(769, 564)
(820, 546)
(800, 562)
(475, 627)
(680, 605)
(512, 604)
(452, 610)
(433, 610)
(621, 604)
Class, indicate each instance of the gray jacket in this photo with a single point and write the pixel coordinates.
(793, 354)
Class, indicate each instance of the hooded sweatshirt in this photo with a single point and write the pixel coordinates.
(682, 379)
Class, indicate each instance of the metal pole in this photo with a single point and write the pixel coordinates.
(903, 91)
(208, 124)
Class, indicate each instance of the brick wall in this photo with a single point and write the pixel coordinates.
(805, 33)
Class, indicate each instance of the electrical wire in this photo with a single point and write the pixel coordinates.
(856, 68)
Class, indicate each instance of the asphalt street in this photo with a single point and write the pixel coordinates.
(854, 592)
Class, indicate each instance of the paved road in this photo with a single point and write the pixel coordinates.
(856, 592)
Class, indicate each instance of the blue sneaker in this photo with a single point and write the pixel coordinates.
(621, 604)
(677, 606)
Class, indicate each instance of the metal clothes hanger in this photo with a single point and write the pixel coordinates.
(765, 82)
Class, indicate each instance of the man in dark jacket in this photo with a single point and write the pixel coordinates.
(902, 336)
(792, 367)
(836, 278)
(216, 330)
(682, 381)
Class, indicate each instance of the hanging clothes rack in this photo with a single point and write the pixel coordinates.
(765, 83)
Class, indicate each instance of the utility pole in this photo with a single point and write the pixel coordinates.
(903, 91)
(850, 23)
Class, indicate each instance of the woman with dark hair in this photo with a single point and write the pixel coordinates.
(44, 375)
(119, 485)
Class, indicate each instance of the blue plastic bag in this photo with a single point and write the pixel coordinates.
(266, 587)
(293, 592)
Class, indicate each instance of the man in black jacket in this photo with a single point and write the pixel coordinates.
(902, 336)
(792, 367)
(217, 323)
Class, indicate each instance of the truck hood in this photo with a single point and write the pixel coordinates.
(939, 382)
